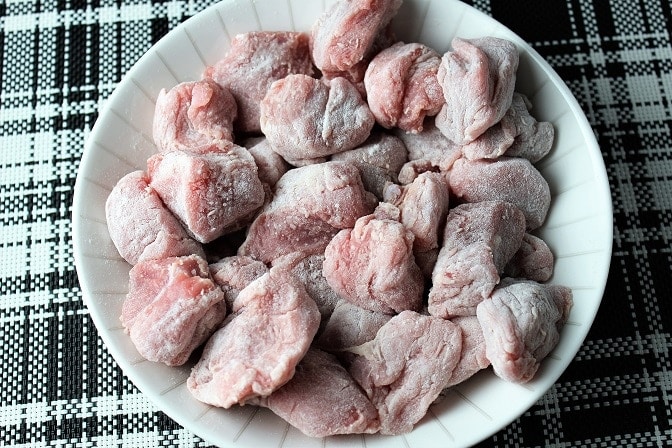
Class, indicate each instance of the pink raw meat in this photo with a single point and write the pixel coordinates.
(141, 226)
(517, 134)
(521, 325)
(510, 179)
(350, 326)
(372, 265)
(322, 399)
(212, 193)
(234, 273)
(192, 115)
(428, 150)
(344, 34)
(424, 206)
(534, 139)
(171, 308)
(379, 160)
(478, 78)
(311, 204)
(258, 348)
(472, 358)
(406, 366)
(478, 240)
(402, 87)
(253, 62)
(308, 269)
(305, 119)
(533, 261)
(270, 164)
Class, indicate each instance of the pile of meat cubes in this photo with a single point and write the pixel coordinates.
(339, 226)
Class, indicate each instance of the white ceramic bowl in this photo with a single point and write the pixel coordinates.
(578, 227)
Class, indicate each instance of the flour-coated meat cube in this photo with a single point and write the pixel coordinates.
(253, 62)
(322, 399)
(521, 325)
(423, 205)
(533, 261)
(234, 273)
(192, 115)
(171, 308)
(510, 179)
(308, 269)
(303, 118)
(345, 33)
(372, 264)
(311, 204)
(350, 325)
(478, 240)
(257, 350)
(271, 166)
(478, 78)
(428, 150)
(406, 366)
(379, 160)
(402, 87)
(472, 358)
(517, 134)
(141, 226)
(212, 193)
(534, 139)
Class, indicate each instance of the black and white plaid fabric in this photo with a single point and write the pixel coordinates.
(60, 59)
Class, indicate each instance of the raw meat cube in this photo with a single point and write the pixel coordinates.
(192, 115)
(322, 399)
(141, 226)
(379, 160)
(406, 366)
(311, 204)
(212, 193)
(534, 139)
(253, 62)
(478, 78)
(402, 87)
(533, 261)
(478, 240)
(472, 358)
(258, 348)
(521, 324)
(308, 269)
(303, 118)
(344, 34)
(517, 134)
(350, 326)
(428, 150)
(510, 179)
(424, 206)
(372, 265)
(171, 308)
(234, 273)
(271, 166)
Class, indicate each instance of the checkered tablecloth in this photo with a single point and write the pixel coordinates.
(60, 59)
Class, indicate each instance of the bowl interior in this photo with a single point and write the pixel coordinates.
(578, 228)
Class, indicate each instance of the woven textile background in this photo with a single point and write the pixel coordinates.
(61, 59)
